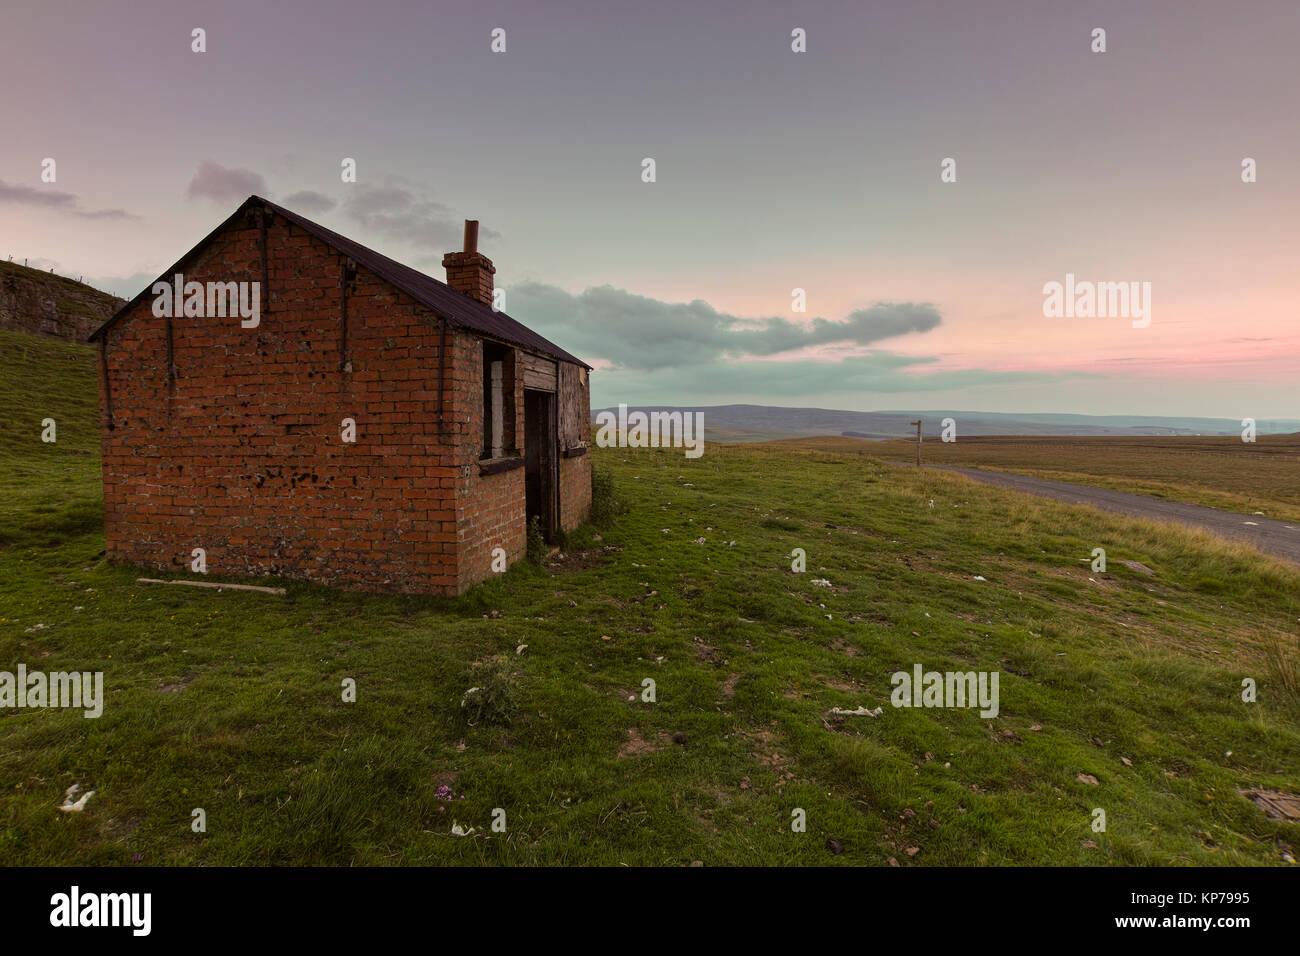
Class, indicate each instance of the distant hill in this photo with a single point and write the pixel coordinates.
(739, 423)
(49, 305)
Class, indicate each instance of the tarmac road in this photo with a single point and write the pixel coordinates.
(1275, 537)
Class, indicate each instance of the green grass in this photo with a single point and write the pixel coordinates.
(232, 702)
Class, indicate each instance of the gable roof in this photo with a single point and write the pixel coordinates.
(456, 308)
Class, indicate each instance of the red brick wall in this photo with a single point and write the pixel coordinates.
(490, 508)
(471, 273)
(242, 455)
(575, 491)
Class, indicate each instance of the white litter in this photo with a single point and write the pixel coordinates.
(860, 712)
(68, 805)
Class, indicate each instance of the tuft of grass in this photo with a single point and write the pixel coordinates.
(1282, 654)
(605, 503)
(535, 549)
(492, 699)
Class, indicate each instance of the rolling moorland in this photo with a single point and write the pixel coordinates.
(760, 423)
(1119, 691)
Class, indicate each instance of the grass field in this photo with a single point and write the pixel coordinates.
(1217, 472)
(232, 702)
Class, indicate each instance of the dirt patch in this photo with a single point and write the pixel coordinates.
(707, 652)
(877, 619)
(445, 778)
(764, 744)
(729, 686)
(849, 688)
(845, 648)
(637, 745)
(565, 562)
(175, 687)
(827, 585)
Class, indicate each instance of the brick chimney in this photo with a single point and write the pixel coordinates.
(470, 271)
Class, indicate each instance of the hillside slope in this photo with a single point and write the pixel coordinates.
(54, 306)
(48, 488)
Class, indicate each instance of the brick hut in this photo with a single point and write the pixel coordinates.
(363, 425)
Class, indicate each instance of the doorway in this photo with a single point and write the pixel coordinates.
(539, 459)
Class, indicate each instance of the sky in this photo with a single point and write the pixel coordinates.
(774, 170)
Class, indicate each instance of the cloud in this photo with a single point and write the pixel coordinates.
(309, 201)
(221, 185)
(636, 332)
(397, 212)
(56, 200)
(875, 372)
(647, 350)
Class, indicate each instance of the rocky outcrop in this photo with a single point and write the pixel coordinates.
(42, 303)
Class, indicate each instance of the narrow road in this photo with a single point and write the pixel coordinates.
(1275, 537)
